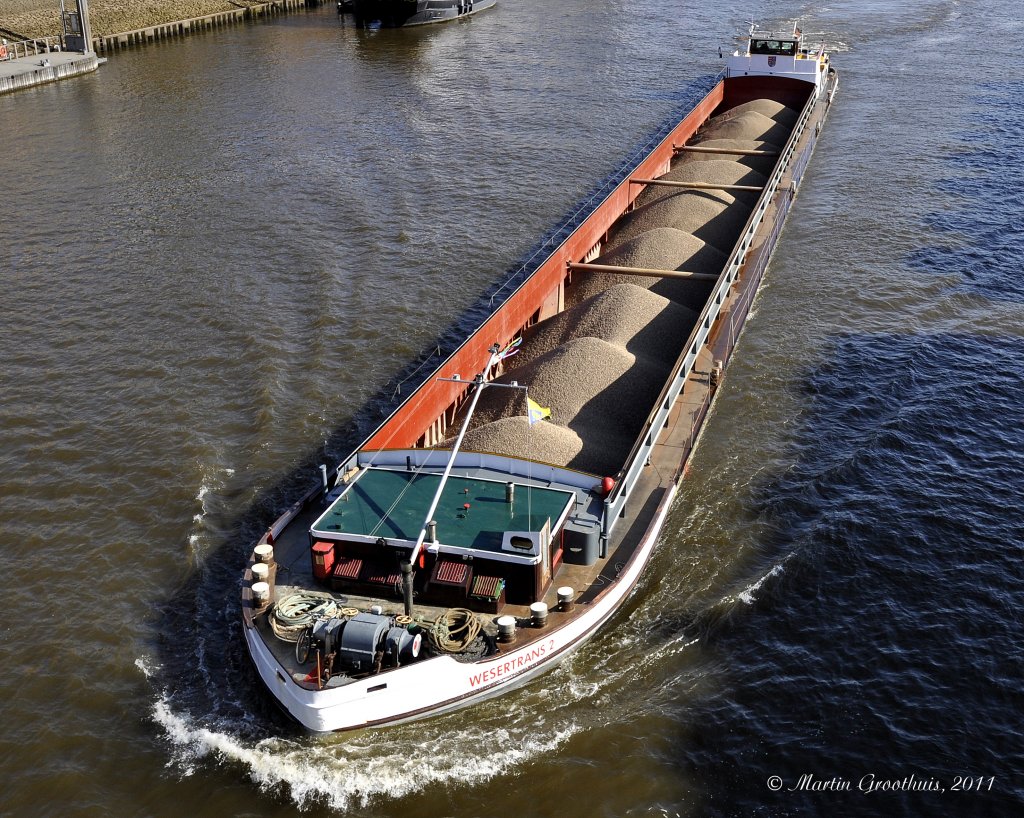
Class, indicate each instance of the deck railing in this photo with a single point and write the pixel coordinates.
(33, 48)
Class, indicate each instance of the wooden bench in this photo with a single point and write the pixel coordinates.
(367, 577)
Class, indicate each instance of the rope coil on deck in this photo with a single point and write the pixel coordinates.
(295, 612)
(455, 630)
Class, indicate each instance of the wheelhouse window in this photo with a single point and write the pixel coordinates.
(785, 48)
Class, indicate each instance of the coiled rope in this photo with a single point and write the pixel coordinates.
(293, 614)
(455, 630)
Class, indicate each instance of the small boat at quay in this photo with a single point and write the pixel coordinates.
(508, 506)
(397, 13)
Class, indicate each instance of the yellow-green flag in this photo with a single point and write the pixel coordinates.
(535, 412)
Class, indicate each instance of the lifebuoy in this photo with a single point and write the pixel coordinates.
(3, 51)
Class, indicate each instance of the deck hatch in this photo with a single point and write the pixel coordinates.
(473, 512)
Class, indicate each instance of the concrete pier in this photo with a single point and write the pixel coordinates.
(37, 69)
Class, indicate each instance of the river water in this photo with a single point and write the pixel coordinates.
(220, 256)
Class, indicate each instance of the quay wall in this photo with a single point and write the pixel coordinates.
(194, 25)
(118, 25)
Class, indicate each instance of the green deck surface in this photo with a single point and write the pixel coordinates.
(366, 509)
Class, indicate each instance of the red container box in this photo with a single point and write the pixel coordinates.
(323, 560)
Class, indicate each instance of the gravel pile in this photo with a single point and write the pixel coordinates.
(664, 248)
(549, 443)
(766, 107)
(515, 437)
(597, 366)
(598, 390)
(750, 125)
(718, 171)
(643, 323)
(688, 293)
(762, 164)
(721, 171)
(654, 193)
(668, 244)
(713, 216)
(567, 378)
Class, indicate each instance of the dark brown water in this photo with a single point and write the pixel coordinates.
(218, 256)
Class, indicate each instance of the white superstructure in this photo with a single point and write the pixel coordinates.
(779, 55)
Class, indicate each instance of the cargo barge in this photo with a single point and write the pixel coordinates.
(506, 509)
(399, 13)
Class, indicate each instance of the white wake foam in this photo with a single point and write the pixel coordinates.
(747, 594)
(341, 773)
(145, 665)
(210, 497)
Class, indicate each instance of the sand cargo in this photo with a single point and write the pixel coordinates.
(505, 510)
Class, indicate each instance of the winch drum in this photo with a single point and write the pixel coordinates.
(362, 638)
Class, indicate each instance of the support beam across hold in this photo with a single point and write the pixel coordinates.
(695, 185)
(641, 271)
(730, 151)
